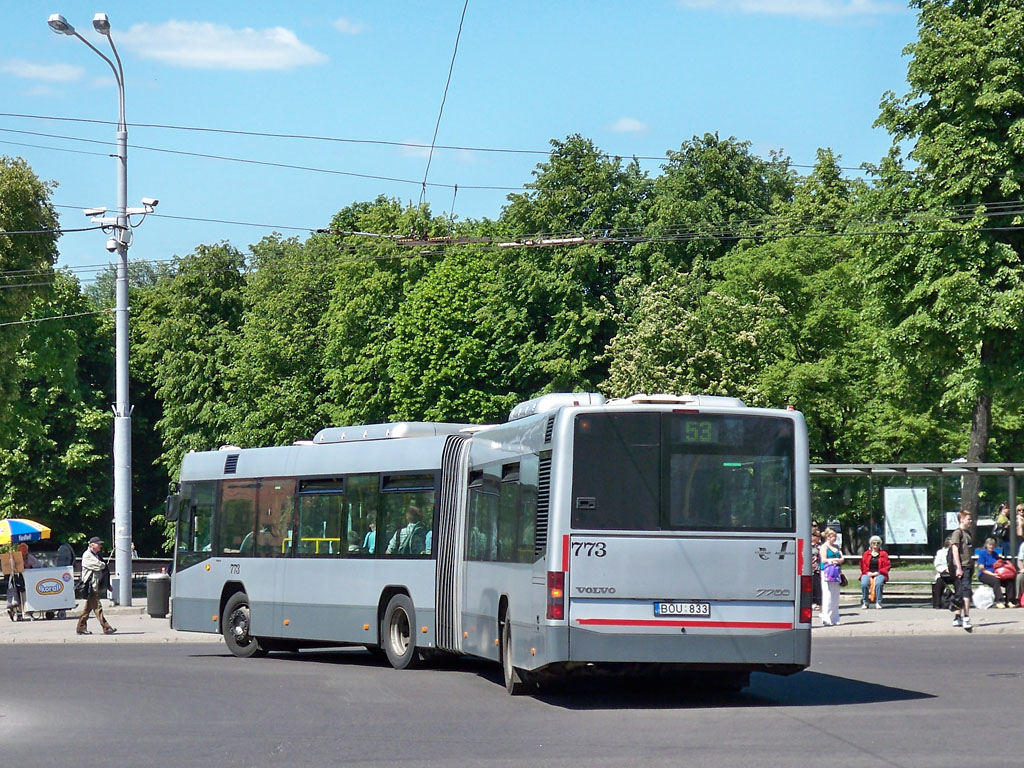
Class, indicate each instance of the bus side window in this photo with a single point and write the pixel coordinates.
(237, 513)
(482, 528)
(276, 504)
(407, 507)
(362, 496)
(195, 533)
(508, 514)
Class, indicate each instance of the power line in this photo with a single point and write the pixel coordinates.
(444, 98)
(55, 317)
(55, 149)
(380, 142)
(268, 163)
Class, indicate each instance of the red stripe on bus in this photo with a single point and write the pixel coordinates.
(565, 553)
(799, 557)
(671, 623)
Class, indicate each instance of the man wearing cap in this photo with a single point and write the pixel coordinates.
(94, 572)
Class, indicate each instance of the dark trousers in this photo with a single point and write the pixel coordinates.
(1004, 589)
(92, 605)
(938, 587)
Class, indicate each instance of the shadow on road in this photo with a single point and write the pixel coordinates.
(805, 689)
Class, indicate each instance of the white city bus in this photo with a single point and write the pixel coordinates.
(655, 530)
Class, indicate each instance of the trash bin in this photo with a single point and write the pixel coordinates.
(158, 595)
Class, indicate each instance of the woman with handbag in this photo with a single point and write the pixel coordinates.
(874, 566)
(999, 574)
(831, 557)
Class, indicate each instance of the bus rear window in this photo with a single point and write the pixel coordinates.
(682, 472)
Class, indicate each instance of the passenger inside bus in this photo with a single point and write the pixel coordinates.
(412, 539)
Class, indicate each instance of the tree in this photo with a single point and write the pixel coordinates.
(956, 293)
(185, 329)
(28, 251)
(281, 392)
(560, 301)
(141, 275)
(56, 464)
(370, 280)
(710, 190)
(452, 356)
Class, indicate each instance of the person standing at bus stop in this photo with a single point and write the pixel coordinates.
(94, 572)
(831, 555)
(961, 550)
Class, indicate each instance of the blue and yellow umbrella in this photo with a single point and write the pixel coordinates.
(16, 530)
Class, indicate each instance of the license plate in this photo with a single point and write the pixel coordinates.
(687, 608)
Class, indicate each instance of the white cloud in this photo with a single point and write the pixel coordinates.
(422, 152)
(49, 73)
(629, 125)
(817, 9)
(349, 27)
(45, 90)
(202, 45)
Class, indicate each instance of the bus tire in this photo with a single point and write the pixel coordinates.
(517, 682)
(396, 633)
(235, 628)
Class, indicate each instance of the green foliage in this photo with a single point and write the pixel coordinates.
(954, 297)
(280, 392)
(454, 350)
(26, 260)
(185, 326)
(55, 462)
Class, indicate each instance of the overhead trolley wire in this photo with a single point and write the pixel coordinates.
(444, 98)
(268, 163)
(379, 142)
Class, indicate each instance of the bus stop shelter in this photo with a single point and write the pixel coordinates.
(861, 495)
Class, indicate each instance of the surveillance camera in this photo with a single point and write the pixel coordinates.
(152, 202)
(111, 245)
(94, 211)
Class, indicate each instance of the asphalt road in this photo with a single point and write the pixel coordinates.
(918, 701)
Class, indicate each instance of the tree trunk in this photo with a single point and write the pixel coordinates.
(977, 451)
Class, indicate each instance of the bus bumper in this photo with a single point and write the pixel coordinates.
(788, 650)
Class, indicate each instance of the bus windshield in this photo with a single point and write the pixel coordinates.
(639, 471)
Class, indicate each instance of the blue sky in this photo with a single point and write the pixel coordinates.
(636, 77)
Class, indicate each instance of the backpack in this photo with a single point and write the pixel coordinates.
(946, 600)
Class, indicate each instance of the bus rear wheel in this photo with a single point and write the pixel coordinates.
(235, 628)
(396, 632)
(517, 682)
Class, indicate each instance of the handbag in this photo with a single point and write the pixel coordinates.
(832, 572)
(1004, 569)
(871, 590)
(843, 581)
(83, 589)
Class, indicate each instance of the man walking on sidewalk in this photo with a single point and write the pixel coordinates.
(961, 552)
(94, 572)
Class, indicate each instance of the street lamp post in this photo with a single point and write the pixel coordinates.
(121, 228)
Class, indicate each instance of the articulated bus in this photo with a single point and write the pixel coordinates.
(652, 532)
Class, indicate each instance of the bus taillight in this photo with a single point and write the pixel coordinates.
(556, 595)
(806, 589)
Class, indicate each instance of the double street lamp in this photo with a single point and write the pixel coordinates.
(120, 229)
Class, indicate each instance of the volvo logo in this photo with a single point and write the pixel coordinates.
(783, 552)
(596, 590)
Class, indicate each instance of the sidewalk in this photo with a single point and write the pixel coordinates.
(899, 617)
(912, 617)
(132, 623)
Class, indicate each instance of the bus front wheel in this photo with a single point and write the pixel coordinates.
(396, 632)
(235, 628)
(517, 682)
